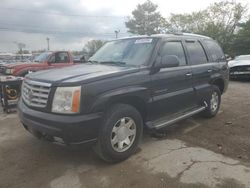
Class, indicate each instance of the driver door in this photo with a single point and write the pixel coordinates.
(172, 89)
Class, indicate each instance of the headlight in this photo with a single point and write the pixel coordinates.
(67, 100)
(9, 71)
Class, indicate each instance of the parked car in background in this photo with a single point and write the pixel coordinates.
(46, 60)
(2, 63)
(240, 67)
(80, 59)
(22, 57)
(127, 85)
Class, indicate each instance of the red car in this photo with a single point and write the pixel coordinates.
(45, 60)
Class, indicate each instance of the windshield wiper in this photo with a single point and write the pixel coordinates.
(113, 62)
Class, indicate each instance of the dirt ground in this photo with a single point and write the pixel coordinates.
(195, 153)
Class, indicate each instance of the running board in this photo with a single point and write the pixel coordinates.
(167, 122)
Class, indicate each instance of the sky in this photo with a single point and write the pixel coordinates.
(69, 24)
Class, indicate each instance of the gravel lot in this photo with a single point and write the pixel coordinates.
(196, 153)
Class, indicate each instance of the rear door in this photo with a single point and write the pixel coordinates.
(217, 59)
(202, 69)
(172, 89)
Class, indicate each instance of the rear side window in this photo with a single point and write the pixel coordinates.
(174, 48)
(196, 53)
(214, 50)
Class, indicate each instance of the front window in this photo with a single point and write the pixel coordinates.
(136, 51)
(174, 48)
(42, 57)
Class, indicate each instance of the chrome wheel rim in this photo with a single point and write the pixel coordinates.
(214, 102)
(123, 134)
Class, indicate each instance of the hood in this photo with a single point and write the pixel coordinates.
(80, 73)
(235, 63)
(18, 64)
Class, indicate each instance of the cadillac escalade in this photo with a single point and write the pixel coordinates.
(128, 85)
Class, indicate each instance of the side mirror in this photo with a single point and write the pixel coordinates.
(83, 59)
(51, 60)
(167, 61)
(170, 61)
(228, 57)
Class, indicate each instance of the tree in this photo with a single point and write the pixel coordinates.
(218, 21)
(241, 44)
(92, 46)
(193, 22)
(146, 20)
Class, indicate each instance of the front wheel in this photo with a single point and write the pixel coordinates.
(213, 103)
(120, 133)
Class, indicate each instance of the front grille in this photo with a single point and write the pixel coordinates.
(240, 68)
(35, 93)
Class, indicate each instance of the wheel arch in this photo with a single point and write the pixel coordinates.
(219, 83)
(137, 102)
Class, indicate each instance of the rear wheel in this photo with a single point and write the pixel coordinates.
(120, 133)
(213, 103)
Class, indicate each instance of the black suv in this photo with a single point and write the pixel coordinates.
(129, 84)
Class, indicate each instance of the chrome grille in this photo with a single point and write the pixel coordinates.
(240, 68)
(35, 93)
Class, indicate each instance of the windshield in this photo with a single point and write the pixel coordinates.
(126, 51)
(245, 57)
(42, 57)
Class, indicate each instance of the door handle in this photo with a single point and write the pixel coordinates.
(209, 70)
(189, 74)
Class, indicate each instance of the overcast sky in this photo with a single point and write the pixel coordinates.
(70, 23)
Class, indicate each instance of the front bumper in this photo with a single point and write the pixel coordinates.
(66, 129)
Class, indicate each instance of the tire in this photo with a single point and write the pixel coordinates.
(213, 103)
(119, 122)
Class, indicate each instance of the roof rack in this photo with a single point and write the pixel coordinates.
(195, 35)
(187, 34)
(177, 33)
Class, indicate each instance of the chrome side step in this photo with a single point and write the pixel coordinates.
(168, 122)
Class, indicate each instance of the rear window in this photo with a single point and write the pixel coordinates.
(214, 50)
(196, 53)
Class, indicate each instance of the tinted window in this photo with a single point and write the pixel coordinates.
(215, 50)
(196, 53)
(61, 57)
(174, 48)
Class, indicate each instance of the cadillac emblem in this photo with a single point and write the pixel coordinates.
(30, 95)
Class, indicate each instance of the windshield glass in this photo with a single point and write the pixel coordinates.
(245, 57)
(126, 51)
(42, 57)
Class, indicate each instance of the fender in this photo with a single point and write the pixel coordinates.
(215, 77)
(106, 99)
